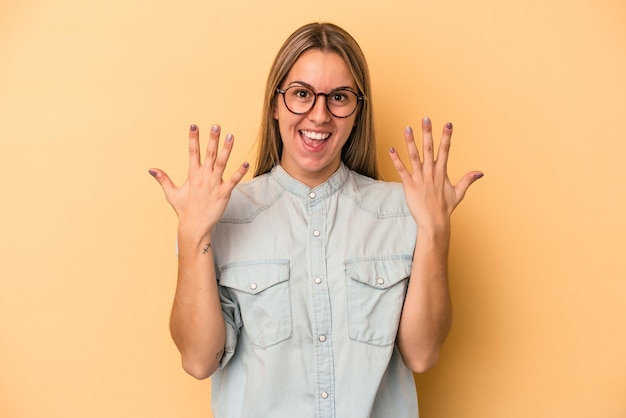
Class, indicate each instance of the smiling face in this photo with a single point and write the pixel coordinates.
(312, 142)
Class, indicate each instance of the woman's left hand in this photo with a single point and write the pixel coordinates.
(430, 195)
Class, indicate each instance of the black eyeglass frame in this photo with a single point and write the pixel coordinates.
(359, 99)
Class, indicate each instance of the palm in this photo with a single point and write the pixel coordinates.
(430, 195)
(201, 200)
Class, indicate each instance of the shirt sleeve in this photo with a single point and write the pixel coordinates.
(232, 319)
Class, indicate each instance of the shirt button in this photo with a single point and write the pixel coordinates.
(316, 233)
(380, 280)
(324, 395)
(318, 280)
(322, 338)
(312, 195)
(253, 286)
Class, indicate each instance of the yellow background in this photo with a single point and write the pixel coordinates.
(93, 93)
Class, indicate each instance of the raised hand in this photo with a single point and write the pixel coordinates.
(201, 200)
(430, 195)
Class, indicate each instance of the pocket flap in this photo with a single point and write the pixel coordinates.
(254, 277)
(380, 273)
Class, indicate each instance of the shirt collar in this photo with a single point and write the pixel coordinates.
(330, 186)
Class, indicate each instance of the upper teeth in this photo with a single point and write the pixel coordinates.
(315, 135)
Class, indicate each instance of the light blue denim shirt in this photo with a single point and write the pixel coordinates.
(312, 284)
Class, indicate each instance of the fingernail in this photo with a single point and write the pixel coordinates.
(246, 165)
(392, 150)
(229, 138)
(193, 128)
(478, 176)
(449, 125)
(152, 173)
(215, 128)
(426, 120)
(408, 130)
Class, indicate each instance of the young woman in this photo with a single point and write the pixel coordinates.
(315, 289)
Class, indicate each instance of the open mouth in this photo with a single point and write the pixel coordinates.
(314, 139)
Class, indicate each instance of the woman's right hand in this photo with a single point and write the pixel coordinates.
(201, 200)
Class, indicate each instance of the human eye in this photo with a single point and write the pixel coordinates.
(341, 97)
(301, 94)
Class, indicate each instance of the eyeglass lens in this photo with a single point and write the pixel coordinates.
(340, 102)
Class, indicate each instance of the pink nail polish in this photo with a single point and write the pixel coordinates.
(193, 128)
(449, 125)
(392, 150)
(152, 173)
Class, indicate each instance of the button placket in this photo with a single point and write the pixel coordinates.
(322, 325)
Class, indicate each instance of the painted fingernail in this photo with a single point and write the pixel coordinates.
(193, 128)
(215, 128)
(449, 125)
(408, 130)
(426, 120)
(392, 150)
(246, 165)
(152, 173)
(478, 176)
(229, 138)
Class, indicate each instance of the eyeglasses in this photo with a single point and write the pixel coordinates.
(341, 102)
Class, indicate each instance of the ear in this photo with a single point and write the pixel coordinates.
(275, 107)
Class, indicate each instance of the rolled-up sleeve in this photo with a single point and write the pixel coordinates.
(232, 319)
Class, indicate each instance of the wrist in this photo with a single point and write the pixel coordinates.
(435, 229)
(189, 235)
(433, 236)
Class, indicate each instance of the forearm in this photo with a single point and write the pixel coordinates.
(426, 315)
(196, 323)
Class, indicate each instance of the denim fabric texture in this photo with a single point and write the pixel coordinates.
(312, 283)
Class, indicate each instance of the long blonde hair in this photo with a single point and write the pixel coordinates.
(359, 152)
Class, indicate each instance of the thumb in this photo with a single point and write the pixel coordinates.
(466, 182)
(163, 179)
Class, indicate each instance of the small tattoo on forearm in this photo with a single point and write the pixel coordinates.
(219, 354)
(206, 248)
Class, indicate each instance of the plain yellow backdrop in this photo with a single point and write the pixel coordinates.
(93, 93)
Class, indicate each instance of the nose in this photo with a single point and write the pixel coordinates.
(319, 113)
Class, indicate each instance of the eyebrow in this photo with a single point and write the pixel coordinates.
(307, 85)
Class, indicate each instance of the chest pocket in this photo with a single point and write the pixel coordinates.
(376, 288)
(261, 289)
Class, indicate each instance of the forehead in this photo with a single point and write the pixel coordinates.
(322, 70)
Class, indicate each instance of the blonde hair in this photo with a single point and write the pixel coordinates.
(359, 152)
